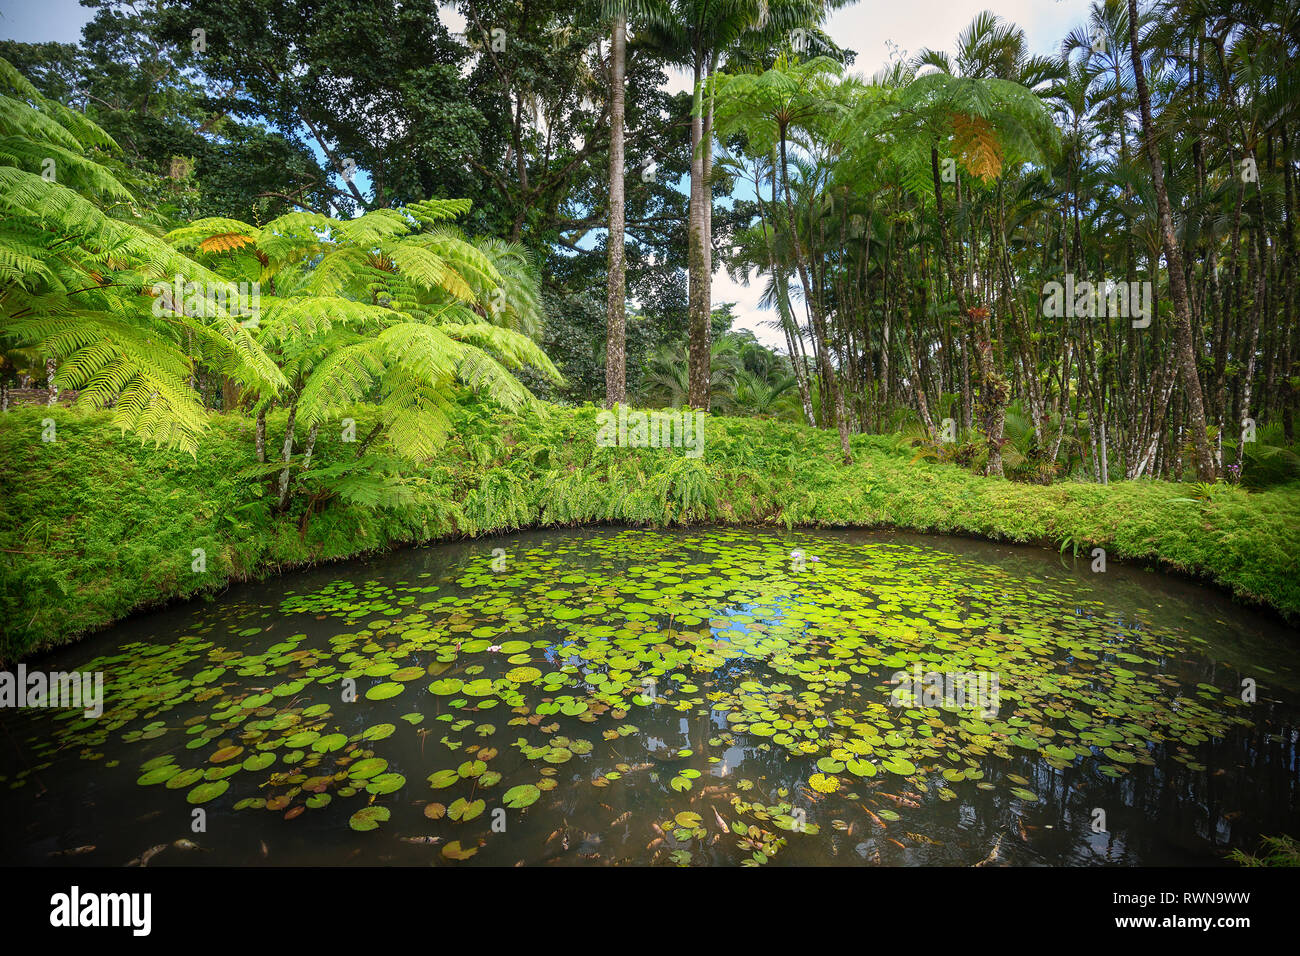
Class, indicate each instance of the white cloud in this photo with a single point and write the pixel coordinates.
(451, 18)
(680, 80)
(726, 289)
(916, 24)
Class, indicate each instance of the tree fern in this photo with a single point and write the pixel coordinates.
(76, 280)
(392, 308)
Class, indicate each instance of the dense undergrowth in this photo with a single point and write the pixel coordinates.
(93, 525)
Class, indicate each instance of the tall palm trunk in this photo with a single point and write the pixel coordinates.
(1205, 469)
(706, 210)
(791, 334)
(786, 313)
(616, 302)
(1257, 253)
(697, 395)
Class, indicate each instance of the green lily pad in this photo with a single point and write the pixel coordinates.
(520, 796)
(369, 818)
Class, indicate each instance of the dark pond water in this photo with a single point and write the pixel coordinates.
(688, 698)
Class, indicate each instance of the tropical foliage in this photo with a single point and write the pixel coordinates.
(77, 264)
(395, 306)
(910, 226)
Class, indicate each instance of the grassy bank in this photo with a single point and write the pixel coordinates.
(94, 526)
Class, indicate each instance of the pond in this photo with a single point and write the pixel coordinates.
(720, 696)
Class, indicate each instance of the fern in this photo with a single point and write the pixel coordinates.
(76, 280)
(392, 308)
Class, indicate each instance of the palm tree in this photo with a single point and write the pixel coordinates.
(616, 296)
(764, 248)
(667, 379)
(984, 107)
(1103, 44)
(753, 394)
(519, 305)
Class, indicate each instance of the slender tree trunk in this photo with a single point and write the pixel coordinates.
(1148, 434)
(1289, 392)
(51, 390)
(283, 500)
(616, 300)
(1063, 405)
(796, 358)
(783, 308)
(260, 433)
(706, 142)
(993, 386)
(1252, 344)
(918, 388)
(310, 446)
(697, 394)
(1174, 259)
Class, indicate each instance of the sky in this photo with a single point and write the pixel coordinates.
(39, 21)
(868, 27)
